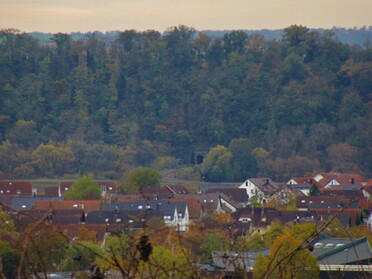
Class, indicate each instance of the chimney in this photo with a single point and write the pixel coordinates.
(329, 209)
(267, 181)
(352, 180)
(311, 181)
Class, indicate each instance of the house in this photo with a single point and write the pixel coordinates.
(17, 188)
(217, 203)
(333, 179)
(350, 217)
(193, 205)
(175, 214)
(238, 196)
(259, 189)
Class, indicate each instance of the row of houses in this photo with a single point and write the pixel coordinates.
(348, 203)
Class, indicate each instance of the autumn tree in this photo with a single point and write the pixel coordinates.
(287, 259)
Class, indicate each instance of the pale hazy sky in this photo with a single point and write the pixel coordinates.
(108, 15)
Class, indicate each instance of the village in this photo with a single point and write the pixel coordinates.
(244, 209)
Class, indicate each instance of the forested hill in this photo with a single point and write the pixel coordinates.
(350, 36)
(297, 104)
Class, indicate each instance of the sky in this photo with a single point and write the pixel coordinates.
(109, 15)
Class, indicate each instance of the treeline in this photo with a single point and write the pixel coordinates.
(145, 98)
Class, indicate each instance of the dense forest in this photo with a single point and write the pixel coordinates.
(262, 107)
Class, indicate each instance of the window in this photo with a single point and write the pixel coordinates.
(118, 220)
(110, 188)
(75, 205)
(329, 245)
(24, 206)
(1, 191)
(106, 220)
(302, 201)
(66, 188)
(140, 207)
(130, 221)
(18, 192)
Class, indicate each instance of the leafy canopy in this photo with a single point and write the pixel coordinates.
(85, 188)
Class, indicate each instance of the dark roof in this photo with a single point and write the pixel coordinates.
(231, 260)
(132, 218)
(265, 184)
(287, 216)
(165, 206)
(235, 194)
(24, 203)
(7, 200)
(204, 187)
(344, 187)
(350, 194)
(332, 251)
(303, 202)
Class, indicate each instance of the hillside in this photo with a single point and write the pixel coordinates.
(103, 106)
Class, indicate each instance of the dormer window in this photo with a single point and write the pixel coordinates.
(8, 191)
(140, 207)
(302, 201)
(24, 206)
(1, 192)
(66, 188)
(130, 221)
(110, 188)
(322, 202)
(75, 205)
(147, 206)
(18, 192)
(106, 220)
(118, 220)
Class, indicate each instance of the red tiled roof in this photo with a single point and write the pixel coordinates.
(344, 178)
(51, 192)
(86, 205)
(19, 188)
